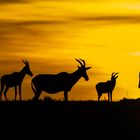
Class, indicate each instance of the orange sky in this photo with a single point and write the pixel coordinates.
(51, 34)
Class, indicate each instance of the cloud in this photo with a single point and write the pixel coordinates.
(38, 22)
(117, 19)
(12, 1)
(16, 32)
(25, 1)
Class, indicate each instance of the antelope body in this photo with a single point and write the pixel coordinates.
(54, 83)
(15, 80)
(107, 87)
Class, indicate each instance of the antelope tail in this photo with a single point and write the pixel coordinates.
(33, 87)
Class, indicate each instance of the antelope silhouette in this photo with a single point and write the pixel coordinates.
(14, 80)
(63, 81)
(139, 81)
(107, 87)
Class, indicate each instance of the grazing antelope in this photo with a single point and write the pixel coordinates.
(107, 87)
(14, 80)
(54, 83)
(139, 81)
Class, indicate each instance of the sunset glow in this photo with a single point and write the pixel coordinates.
(51, 34)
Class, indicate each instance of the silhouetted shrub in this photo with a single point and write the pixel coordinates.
(47, 98)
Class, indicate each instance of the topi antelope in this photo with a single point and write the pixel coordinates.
(14, 80)
(63, 81)
(107, 87)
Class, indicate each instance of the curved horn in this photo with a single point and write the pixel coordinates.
(113, 74)
(116, 73)
(83, 61)
(23, 61)
(26, 61)
(79, 62)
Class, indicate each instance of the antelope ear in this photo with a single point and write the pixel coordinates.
(88, 68)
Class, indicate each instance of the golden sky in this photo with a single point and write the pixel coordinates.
(50, 34)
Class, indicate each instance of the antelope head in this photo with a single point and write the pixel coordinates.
(27, 68)
(82, 69)
(114, 76)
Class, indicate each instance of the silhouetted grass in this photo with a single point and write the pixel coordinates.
(88, 119)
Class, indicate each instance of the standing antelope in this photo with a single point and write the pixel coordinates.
(63, 81)
(107, 87)
(15, 79)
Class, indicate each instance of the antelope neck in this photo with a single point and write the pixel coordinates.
(22, 74)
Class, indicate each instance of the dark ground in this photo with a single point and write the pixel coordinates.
(71, 120)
